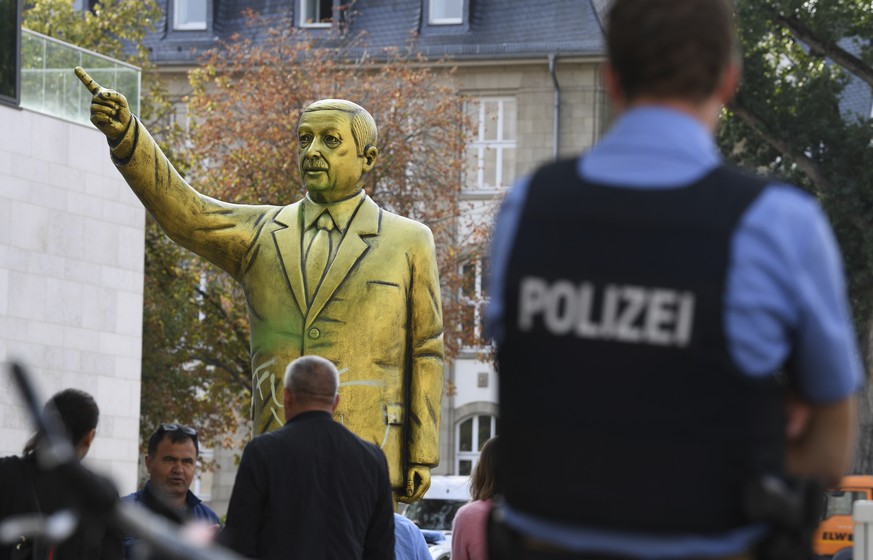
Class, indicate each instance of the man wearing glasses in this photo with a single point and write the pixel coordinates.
(171, 461)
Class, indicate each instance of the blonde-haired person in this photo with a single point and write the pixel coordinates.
(469, 539)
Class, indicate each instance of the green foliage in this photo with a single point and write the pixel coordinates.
(789, 119)
(115, 28)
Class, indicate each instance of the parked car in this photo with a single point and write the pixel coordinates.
(435, 512)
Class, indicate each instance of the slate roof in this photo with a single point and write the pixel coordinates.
(493, 29)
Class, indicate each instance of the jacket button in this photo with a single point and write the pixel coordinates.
(314, 333)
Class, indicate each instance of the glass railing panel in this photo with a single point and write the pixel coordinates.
(49, 86)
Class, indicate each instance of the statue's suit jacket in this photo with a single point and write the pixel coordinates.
(377, 314)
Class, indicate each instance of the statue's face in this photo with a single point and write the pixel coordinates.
(328, 157)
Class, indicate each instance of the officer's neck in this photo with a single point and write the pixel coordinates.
(706, 112)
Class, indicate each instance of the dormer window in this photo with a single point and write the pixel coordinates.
(446, 12)
(189, 15)
(316, 13)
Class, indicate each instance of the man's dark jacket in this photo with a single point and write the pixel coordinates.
(311, 490)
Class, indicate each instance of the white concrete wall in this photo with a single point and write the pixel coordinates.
(71, 281)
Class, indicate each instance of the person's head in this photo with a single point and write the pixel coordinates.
(682, 51)
(171, 459)
(483, 483)
(79, 413)
(336, 147)
(310, 384)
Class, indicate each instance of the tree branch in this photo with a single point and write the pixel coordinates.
(809, 167)
(824, 47)
(234, 372)
(216, 305)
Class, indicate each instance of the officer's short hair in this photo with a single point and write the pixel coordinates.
(671, 48)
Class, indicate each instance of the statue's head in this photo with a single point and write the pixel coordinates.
(336, 147)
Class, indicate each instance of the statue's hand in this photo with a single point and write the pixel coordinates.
(110, 112)
(417, 483)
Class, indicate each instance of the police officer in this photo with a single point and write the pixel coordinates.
(645, 298)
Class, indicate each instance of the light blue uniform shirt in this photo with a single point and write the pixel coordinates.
(784, 292)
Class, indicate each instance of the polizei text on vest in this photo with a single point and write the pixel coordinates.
(623, 313)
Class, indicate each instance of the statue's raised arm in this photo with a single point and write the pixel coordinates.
(216, 230)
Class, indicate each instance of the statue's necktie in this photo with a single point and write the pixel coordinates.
(318, 254)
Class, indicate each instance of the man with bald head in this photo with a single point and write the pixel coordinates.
(316, 274)
(311, 489)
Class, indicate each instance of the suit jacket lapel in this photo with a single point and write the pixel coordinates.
(364, 223)
(289, 241)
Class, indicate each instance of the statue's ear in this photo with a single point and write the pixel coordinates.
(370, 154)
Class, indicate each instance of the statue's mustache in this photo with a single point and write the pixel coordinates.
(315, 164)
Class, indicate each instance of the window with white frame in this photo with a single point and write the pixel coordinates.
(491, 148)
(316, 13)
(443, 12)
(189, 15)
(474, 292)
(470, 435)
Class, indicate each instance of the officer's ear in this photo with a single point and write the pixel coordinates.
(612, 84)
(730, 80)
(84, 445)
(369, 155)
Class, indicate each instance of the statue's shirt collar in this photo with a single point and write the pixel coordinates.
(341, 212)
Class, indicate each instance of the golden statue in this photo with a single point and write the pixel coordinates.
(332, 274)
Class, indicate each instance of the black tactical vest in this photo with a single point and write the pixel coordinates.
(620, 405)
